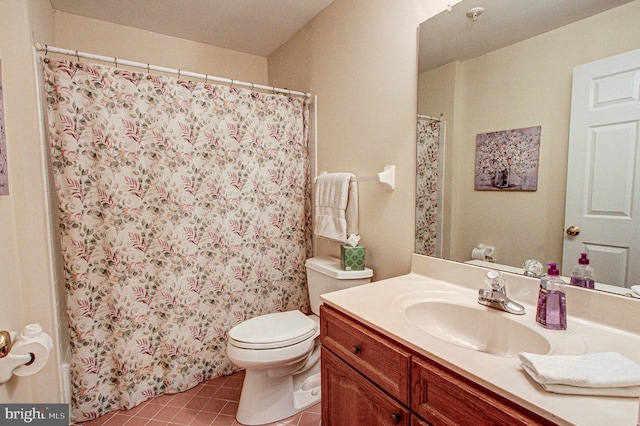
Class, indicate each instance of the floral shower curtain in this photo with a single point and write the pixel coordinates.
(184, 210)
(427, 178)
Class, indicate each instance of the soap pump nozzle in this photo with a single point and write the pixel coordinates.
(553, 269)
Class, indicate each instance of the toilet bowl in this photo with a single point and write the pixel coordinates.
(281, 351)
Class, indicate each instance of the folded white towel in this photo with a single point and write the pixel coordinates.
(604, 373)
(336, 206)
(628, 391)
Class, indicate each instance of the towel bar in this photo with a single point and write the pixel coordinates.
(387, 178)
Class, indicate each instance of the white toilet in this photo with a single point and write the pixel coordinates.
(281, 352)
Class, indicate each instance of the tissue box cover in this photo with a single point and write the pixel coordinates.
(352, 258)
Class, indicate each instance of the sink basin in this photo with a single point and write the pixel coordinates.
(476, 328)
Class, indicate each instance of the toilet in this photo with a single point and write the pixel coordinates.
(280, 352)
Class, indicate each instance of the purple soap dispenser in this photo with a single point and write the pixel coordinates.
(582, 275)
(552, 305)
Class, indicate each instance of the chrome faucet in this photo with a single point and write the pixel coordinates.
(497, 296)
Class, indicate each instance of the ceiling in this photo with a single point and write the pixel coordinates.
(259, 27)
(256, 27)
(452, 36)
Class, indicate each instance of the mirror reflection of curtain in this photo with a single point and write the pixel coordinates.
(429, 186)
(184, 210)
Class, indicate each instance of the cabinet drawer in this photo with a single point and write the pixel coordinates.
(443, 398)
(377, 358)
(348, 399)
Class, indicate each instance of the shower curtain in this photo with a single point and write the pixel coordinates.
(184, 210)
(427, 179)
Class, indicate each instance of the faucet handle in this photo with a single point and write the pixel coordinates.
(494, 280)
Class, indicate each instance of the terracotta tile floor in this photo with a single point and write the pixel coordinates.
(210, 403)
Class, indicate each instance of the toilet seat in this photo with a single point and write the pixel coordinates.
(273, 331)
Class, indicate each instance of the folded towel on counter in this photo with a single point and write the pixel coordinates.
(336, 206)
(628, 391)
(604, 373)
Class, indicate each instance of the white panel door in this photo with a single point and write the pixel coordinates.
(603, 180)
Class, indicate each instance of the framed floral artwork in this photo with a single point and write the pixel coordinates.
(4, 177)
(508, 160)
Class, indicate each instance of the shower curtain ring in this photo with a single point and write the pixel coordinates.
(78, 56)
(148, 68)
(115, 61)
(252, 85)
(206, 78)
(46, 50)
(178, 74)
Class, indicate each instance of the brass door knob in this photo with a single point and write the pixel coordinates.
(5, 343)
(573, 230)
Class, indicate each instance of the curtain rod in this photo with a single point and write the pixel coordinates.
(180, 73)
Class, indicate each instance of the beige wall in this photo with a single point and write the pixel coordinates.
(27, 274)
(527, 84)
(104, 38)
(12, 317)
(359, 58)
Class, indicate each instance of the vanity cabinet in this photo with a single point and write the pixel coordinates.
(368, 379)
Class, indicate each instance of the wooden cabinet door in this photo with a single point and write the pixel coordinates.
(443, 398)
(348, 399)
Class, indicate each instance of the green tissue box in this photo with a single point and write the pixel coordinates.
(352, 258)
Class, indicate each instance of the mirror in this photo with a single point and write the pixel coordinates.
(511, 68)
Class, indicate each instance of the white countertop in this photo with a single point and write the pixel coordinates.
(596, 323)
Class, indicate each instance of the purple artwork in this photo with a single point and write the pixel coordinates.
(508, 160)
(4, 177)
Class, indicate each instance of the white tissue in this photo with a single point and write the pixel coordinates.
(352, 240)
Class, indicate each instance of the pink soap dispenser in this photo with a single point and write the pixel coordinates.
(552, 305)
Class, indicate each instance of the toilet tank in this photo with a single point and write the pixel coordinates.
(325, 275)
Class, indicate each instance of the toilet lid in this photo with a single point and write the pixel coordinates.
(273, 330)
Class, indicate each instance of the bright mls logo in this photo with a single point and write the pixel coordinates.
(34, 414)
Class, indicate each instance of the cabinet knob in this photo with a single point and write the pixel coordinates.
(396, 418)
(356, 349)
